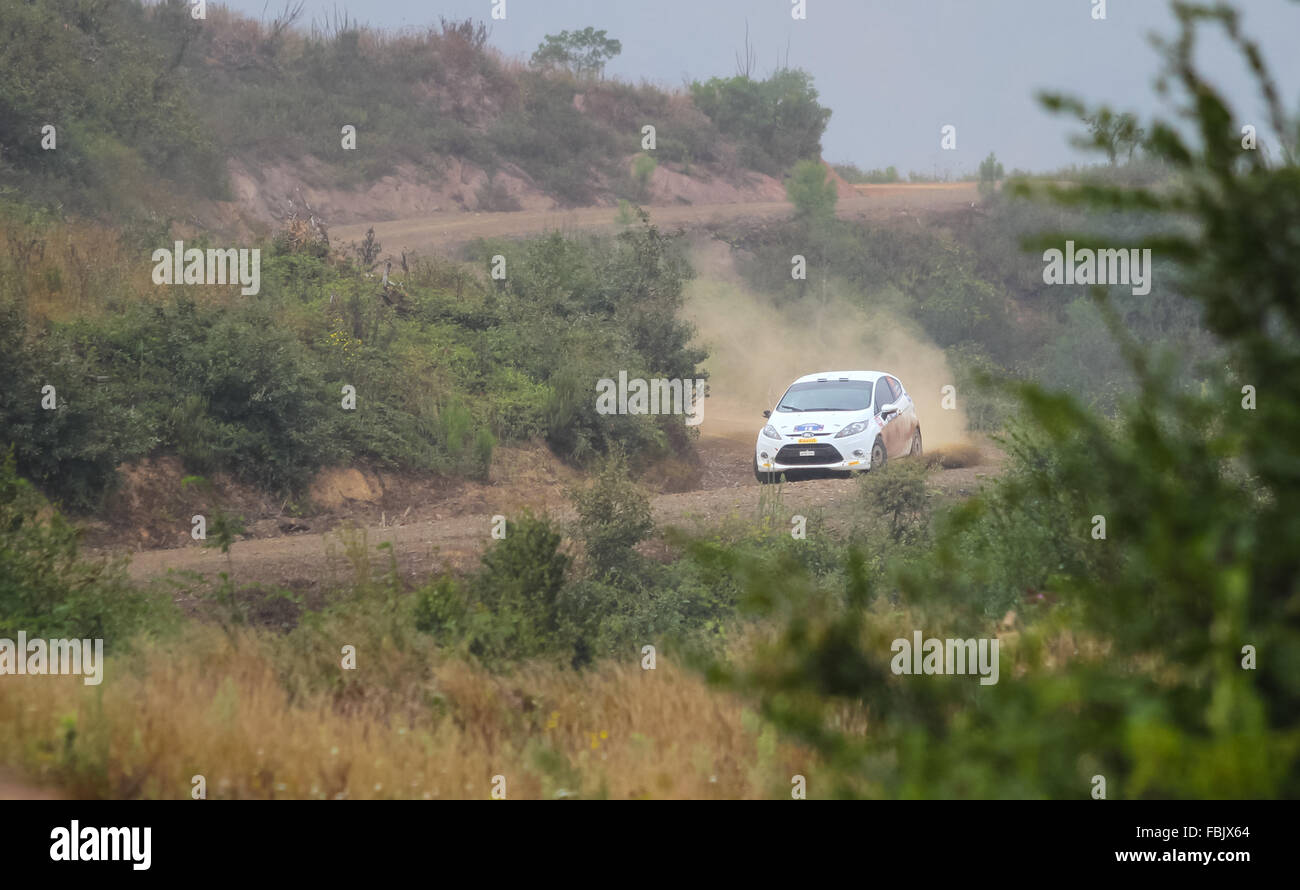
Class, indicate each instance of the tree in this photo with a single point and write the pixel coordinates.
(812, 191)
(581, 53)
(1113, 133)
(776, 121)
(990, 172)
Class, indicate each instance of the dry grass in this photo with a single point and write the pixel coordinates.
(220, 706)
(61, 270)
(76, 269)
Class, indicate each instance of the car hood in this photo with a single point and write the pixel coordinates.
(815, 423)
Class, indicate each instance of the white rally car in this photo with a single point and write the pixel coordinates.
(837, 420)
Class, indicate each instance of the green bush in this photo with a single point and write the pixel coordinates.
(777, 121)
(990, 172)
(643, 168)
(48, 590)
(613, 517)
(812, 191)
(517, 404)
(71, 451)
(584, 309)
(896, 494)
(440, 608)
(511, 608)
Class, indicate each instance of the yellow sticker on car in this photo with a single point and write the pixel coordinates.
(806, 441)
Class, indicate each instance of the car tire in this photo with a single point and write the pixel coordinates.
(915, 450)
(764, 477)
(879, 454)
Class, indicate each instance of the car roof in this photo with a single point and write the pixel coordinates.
(840, 375)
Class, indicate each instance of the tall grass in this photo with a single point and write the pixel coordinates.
(256, 719)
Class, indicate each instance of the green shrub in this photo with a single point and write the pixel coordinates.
(440, 608)
(48, 590)
(510, 609)
(643, 168)
(484, 444)
(812, 191)
(990, 172)
(896, 494)
(776, 121)
(613, 517)
(72, 450)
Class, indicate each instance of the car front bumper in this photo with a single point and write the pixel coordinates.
(823, 453)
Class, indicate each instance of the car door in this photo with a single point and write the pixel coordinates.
(891, 430)
(907, 420)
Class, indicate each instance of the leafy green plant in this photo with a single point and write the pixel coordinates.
(812, 191)
(613, 517)
(896, 493)
(643, 167)
(511, 608)
(990, 171)
(777, 121)
(48, 589)
(582, 53)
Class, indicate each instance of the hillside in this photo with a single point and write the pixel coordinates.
(246, 121)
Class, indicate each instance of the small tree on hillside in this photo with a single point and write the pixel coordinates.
(990, 172)
(811, 190)
(581, 53)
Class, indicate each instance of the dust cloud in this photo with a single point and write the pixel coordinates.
(756, 348)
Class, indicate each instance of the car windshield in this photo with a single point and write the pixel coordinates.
(827, 395)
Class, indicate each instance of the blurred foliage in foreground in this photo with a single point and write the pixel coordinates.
(1132, 665)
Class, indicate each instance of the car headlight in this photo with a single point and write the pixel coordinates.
(770, 432)
(852, 429)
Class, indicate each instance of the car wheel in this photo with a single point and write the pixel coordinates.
(916, 443)
(878, 454)
(764, 477)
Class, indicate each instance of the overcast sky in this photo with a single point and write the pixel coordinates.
(893, 71)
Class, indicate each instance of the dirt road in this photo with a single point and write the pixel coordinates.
(422, 546)
(441, 230)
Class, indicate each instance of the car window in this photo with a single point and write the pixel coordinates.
(883, 395)
(827, 395)
(896, 387)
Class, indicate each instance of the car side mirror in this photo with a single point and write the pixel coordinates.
(767, 413)
(888, 408)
